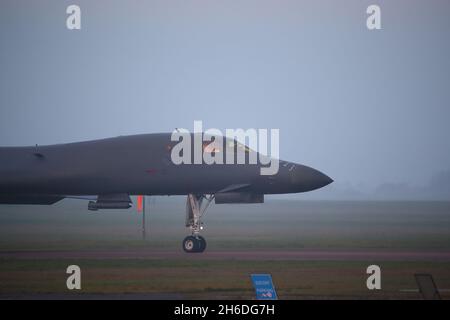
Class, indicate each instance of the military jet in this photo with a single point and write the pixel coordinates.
(109, 171)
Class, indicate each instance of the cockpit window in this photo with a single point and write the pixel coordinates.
(243, 147)
(239, 146)
(209, 147)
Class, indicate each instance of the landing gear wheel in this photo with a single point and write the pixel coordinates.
(193, 244)
(190, 244)
(202, 243)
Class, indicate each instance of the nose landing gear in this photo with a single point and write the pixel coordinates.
(194, 212)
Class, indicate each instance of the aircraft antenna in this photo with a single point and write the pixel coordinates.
(143, 218)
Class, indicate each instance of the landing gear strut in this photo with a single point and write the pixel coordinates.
(194, 212)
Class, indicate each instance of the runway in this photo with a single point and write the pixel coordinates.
(275, 255)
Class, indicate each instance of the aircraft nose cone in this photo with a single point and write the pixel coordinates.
(306, 179)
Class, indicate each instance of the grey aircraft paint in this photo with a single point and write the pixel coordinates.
(133, 165)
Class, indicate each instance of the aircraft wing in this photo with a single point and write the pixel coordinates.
(30, 199)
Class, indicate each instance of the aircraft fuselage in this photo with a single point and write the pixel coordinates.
(136, 165)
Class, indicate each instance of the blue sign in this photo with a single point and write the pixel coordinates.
(264, 287)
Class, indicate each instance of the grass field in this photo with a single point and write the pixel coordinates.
(53, 233)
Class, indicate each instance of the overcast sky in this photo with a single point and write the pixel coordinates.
(362, 106)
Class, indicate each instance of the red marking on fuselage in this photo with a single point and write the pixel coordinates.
(151, 171)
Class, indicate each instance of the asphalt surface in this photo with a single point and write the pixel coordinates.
(300, 255)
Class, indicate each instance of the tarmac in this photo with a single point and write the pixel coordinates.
(261, 255)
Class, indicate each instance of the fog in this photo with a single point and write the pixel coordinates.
(368, 108)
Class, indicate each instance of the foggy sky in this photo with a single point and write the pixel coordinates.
(365, 107)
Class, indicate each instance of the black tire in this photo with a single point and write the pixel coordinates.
(202, 244)
(190, 244)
